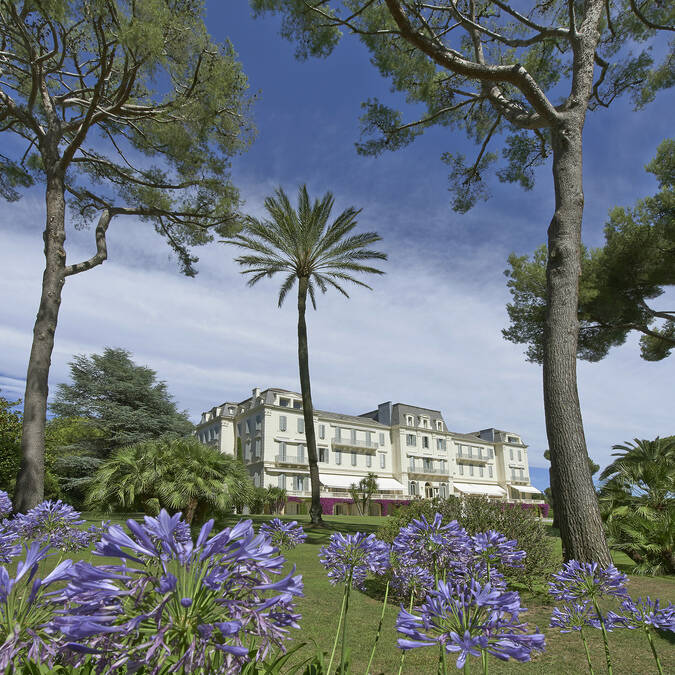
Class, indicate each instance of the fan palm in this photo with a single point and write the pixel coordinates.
(638, 503)
(304, 247)
(179, 474)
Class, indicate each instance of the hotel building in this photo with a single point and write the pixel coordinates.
(410, 450)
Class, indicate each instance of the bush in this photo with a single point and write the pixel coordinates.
(479, 514)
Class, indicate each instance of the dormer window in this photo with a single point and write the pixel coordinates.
(297, 404)
(425, 422)
(232, 411)
(439, 425)
(410, 421)
(285, 402)
(513, 439)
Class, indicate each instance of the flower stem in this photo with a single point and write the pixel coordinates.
(379, 628)
(588, 655)
(337, 632)
(651, 644)
(484, 656)
(410, 606)
(344, 626)
(604, 636)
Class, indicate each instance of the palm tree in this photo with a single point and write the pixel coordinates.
(306, 248)
(179, 474)
(637, 502)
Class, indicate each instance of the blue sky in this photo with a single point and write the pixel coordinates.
(429, 333)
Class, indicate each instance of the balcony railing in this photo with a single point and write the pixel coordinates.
(290, 459)
(428, 470)
(354, 443)
(474, 457)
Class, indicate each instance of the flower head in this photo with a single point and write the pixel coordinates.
(493, 547)
(579, 581)
(470, 618)
(574, 616)
(199, 604)
(411, 580)
(5, 504)
(9, 542)
(349, 558)
(647, 612)
(284, 535)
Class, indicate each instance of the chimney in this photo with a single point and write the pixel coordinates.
(256, 393)
(384, 413)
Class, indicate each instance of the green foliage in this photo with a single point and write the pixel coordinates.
(276, 499)
(479, 514)
(10, 443)
(636, 264)
(258, 500)
(180, 473)
(115, 403)
(637, 502)
(363, 491)
(144, 109)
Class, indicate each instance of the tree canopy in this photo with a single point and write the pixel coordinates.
(618, 280)
(119, 403)
(10, 442)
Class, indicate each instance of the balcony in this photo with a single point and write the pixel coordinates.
(354, 443)
(291, 460)
(473, 457)
(427, 471)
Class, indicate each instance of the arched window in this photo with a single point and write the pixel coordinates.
(412, 488)
(428, 491)
(444, 491)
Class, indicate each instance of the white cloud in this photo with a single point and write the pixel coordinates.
(429, 334)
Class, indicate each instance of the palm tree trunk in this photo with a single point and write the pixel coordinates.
(191, 510)
(307, 407)
(29, 491)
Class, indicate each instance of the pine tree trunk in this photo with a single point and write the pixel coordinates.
(29, 489)
(576, 503)
(307, 406)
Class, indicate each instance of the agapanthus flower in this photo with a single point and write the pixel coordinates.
(642, 613)
(9, 542)
(353, 556)
(179, 605)
(284, 535)
(578, 581)
(431, 544)
(25, 610)
(470, 619)
(494, 548)
(54, 523)
(409, 580)
(575, 616)
(5, 504)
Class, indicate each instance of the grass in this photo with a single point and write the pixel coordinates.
(564, 653)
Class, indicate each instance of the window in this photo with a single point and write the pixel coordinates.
(520, 455)
(282, 423)
(338, 457)
(369, 460)
(512, 439)
(439, 426)
(299, 483)
(411, 464)
(381, 439)
(444, 466)
(281, 482)
(231, 411)
(460, 467)
(383, 461)
(427, 464)
(323, 455)
(425, 441)
(338, 433)
(443, 491)
(249, 426)
(322, 431)
(511, 453)
(353, 435)
(425, 423)
(490, 470)
(258, 422)
(480, 471)
(410, 421)
(470, 469)
(491, 453)
(247, 451)
(412, 488)
(301, 425)
(257, 448)
(297, 405)
(440, 444)
(353, 458)
(301, 453)
(410, 440)
(239, 428)
(369, 439)
(284, 402)
(282, 450)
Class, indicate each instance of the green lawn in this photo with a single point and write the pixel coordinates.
(564, 653)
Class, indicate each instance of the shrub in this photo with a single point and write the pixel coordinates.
(479, 514)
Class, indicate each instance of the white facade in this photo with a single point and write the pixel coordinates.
(410, 449)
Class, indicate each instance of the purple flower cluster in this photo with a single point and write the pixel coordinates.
(642, 613)
(172, 604)
(54, 523)
(5, 504)
(9, 542)
(494, 548)
(576, 616)
(470, 619)
(349, 558)
(578, 581)
(26, 608)
(411, 581)
(284, 535)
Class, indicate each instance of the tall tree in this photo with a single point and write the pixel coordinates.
(125, 108)
(528, 70)
(618, 281)
(118, 402)
(306, 248)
